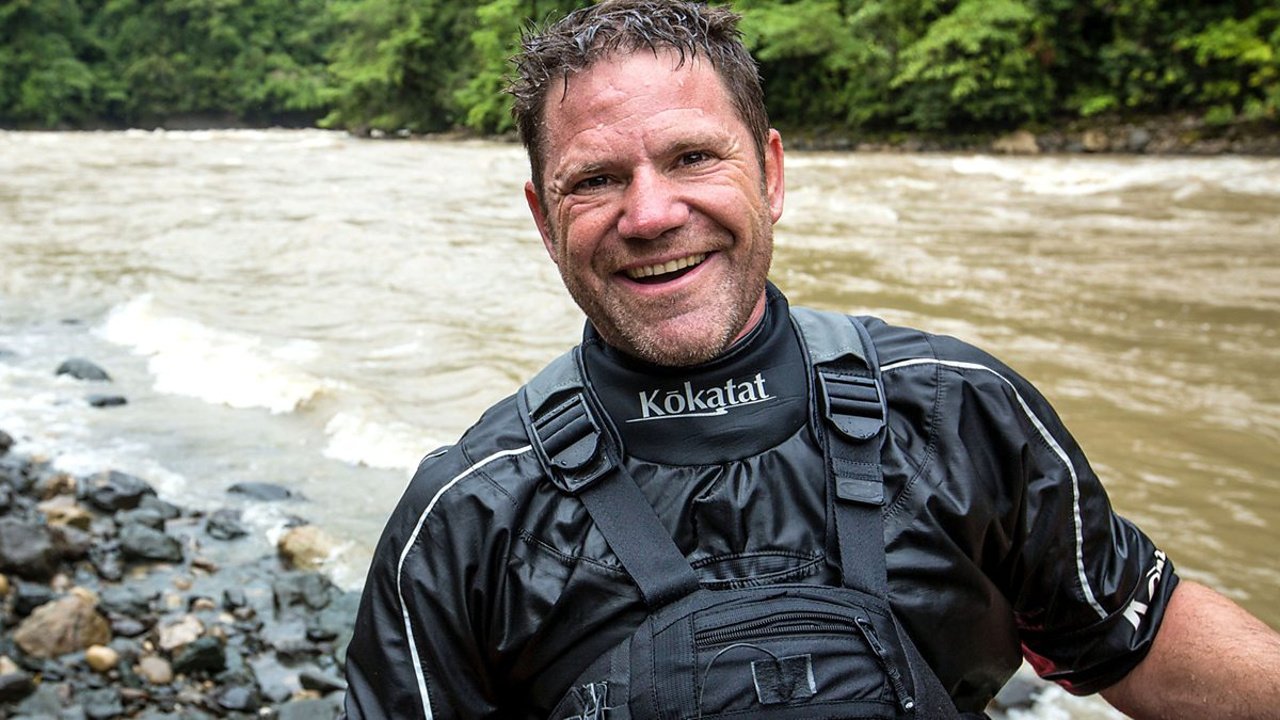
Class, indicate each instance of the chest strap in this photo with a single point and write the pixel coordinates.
(850, 409)
(581, 455)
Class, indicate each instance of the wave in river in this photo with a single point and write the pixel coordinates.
(1072, 176)
(219, 367)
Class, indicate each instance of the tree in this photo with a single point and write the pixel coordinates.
(45, 55)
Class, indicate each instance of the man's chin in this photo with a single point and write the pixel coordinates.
(675, 347)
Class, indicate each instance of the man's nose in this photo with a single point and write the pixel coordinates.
(652, 205)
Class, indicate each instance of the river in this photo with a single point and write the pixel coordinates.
(310, 309)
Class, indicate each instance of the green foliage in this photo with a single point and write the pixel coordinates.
(977, 61)
(398, 63)
(430, 65)
(45, 77)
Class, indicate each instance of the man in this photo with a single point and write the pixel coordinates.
(655, 184)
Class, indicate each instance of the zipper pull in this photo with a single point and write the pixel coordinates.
(907, 702)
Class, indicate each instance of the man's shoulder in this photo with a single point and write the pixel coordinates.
(492, 458)
(899, 344)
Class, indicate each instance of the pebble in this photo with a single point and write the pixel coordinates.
(101, 658)
(155, 670)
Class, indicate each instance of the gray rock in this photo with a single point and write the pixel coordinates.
(204, 654)
(106, 401)
(320, 682)
(141, 516)
(126, 600)
(1138, 140)
(46, 701)
(6, 442)
(225, 524)
(168, 511)
(237, 698)
(15, 686)
(28, 549)
(112, 490)
(325, 708)
(302, 588)
(103, 704)
(29, 596)
(266, 492)
(82, 369)
(139, 542)
(107, 560)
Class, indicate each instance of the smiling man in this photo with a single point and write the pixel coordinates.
(720, 506)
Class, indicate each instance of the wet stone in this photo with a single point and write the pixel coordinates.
(167, 510)
(309, 709)
(102, 704)
(6, 442)
(261, 491)
(112, 490)
(28, 549)
(237, 698)
(82, 369)
(106, 401)
(205, 654)
(140, 542)
(302, 588)
(29, 596)
(322, 683)
(15, 686)
(141, 516)
(107, 560)
(225, 524)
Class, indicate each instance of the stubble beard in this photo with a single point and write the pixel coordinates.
(735, 298)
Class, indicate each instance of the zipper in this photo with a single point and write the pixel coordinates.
(907, 702)
(780, 625)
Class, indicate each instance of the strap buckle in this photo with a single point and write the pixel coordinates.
(568, 437)
(851, 404)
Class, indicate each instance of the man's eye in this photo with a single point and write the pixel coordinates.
(591, 183)
(695, 157)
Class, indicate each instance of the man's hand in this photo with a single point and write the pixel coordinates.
(1210, 659)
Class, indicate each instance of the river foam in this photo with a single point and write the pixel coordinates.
(216, 366)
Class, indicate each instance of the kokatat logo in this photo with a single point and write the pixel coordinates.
(688, 401)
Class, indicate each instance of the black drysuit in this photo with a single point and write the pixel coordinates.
(490, 590)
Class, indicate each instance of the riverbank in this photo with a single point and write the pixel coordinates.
(1157, 135)
(1165, 135)
(117, 603)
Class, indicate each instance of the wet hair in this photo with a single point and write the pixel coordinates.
(553, 54)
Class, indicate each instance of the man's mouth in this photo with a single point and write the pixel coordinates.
(665, 272)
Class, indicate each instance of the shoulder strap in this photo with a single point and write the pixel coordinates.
(850, 403)
(582, 458)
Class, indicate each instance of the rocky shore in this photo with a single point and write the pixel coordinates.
(117, 604)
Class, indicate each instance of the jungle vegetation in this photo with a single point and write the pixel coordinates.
(438, 65)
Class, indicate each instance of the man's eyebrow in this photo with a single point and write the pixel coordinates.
(701, 141)
(577, 170)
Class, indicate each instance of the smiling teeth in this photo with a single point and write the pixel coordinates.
(664, 268)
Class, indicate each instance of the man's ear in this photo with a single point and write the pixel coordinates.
(774, 180)
(540, 218)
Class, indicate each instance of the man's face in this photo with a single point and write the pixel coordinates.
(655, 208)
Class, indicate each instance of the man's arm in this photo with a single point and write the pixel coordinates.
(413, 655)
(1210, 658)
